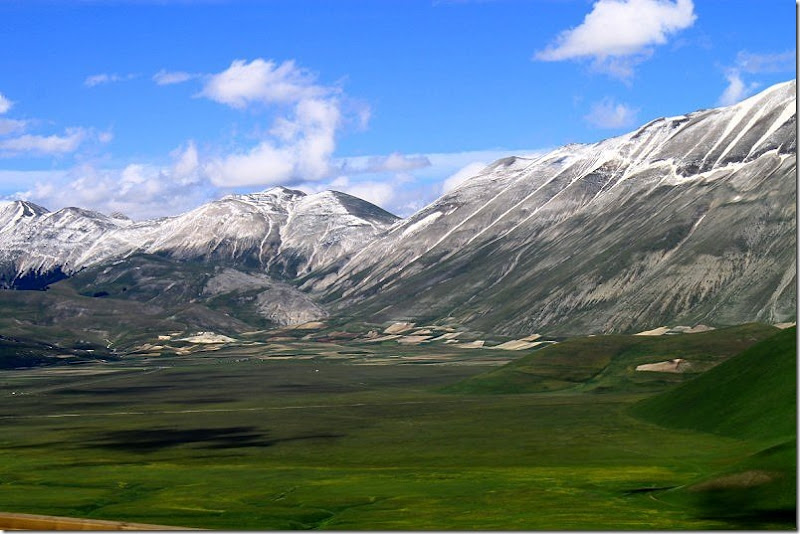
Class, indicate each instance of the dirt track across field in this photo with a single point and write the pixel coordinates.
(50, 522)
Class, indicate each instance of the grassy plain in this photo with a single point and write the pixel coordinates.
(312, 438)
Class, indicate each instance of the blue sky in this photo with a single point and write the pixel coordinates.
(153, 107)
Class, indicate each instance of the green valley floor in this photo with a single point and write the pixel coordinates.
(232, 440)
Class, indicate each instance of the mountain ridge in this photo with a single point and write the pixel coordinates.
(516, 208)
(687, 219)
(260, 229)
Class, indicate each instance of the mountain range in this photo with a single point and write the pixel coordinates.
(688, 219)
(280, 231)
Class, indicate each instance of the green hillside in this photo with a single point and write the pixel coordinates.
(608, 363)
(753, 395)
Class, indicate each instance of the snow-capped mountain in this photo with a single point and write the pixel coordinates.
(689, 218)
(281, 231)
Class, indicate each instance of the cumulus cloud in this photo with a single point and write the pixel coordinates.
(5, 104)
(375, 192)
(44, 144)
(302, 136)
(140, 191)
(407, 191)
(618, 34)
(301, 150)
(101, 79)
(608, 114)
(460, 176)
(13, 143)
(262, 165)
(146, 190)
(164, 77)
(262, 81)
(396, 162)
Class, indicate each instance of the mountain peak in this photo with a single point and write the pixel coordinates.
(281, 190)
(356, 206)
(29, 209)
(19, 210)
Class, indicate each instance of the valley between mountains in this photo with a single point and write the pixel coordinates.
(598, 338)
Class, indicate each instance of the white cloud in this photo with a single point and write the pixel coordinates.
(406, 192)
(138, 190)
(383, 193)
(303, 135)
(453, 161)
(737, 89)
(468, 171)
(435, 164)
(363, 114)
(5, 104)
(305, 143)
(608, 114)
(618, 34)
(98, 79)
(9, 126)
(262, 165)
(44, 145)
(164, 77)
(101, 79)
(262, 81)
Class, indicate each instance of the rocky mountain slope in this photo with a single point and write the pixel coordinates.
(282, 232)
(687, 219)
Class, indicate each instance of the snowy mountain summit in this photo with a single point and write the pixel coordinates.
(281, 231)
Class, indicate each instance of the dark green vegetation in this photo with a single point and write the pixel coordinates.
(313, 436)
